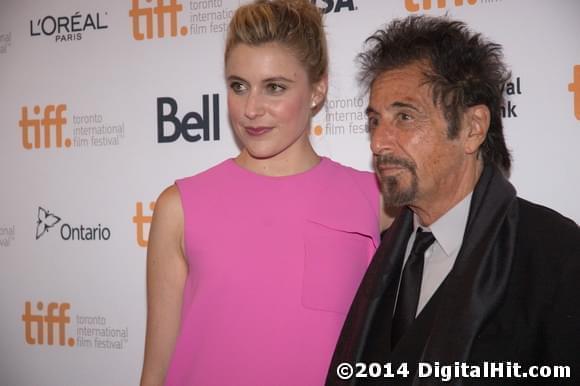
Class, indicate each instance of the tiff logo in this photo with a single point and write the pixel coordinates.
(154, 18)
(141, 221)
(37, 326)
(415, 5)
(574, 88)
(53, 119)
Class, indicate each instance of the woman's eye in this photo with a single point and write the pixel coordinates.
(276, 88)
(237, 87)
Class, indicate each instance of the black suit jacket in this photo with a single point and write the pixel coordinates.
(512, 295)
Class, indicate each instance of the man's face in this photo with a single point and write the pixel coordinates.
(417, 164)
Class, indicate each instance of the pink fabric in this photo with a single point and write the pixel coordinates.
(274, 263)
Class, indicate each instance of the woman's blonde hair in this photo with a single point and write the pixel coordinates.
(295, 24)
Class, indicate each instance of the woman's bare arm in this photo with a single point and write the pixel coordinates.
(166, 273)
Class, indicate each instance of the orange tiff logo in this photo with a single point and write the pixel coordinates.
(53, 119)
(415, 6)
(154, 18)
(574, 88)
(318, 130)
(40, 325)
(141, 221)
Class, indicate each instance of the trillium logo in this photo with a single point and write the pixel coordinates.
(46, 220)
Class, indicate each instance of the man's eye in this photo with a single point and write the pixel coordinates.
(373, 122)
(405, 117)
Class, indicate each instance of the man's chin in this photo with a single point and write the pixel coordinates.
(395, 201)
(394, 194)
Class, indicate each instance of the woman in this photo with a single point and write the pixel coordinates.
(252, 286)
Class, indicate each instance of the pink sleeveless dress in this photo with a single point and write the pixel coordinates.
(274, 263)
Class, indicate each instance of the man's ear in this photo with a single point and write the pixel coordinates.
(476, 124)
(319, 91)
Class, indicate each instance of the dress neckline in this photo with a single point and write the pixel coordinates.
(321, 165)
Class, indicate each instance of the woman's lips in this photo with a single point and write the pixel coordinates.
(257, 131)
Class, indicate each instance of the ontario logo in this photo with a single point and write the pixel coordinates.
(328, 6)
(67, 28)
(47, 220)
(50, 324)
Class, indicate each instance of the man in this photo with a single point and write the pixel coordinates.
(469, 272)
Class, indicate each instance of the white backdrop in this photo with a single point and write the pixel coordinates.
(74, 210)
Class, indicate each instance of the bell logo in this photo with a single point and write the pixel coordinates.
(38, 326)
(191, 123)
(574, 88)
(160, 10)
(415, 6)
(335, 5)
(141, 221)
(53, 119)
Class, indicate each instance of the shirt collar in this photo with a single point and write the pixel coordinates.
(449, 229)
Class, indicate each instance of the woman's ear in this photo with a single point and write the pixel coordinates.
(319, 91)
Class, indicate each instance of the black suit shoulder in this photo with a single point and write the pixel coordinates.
(547, 252)
(544, 218)
(546, 284)
(547, 230)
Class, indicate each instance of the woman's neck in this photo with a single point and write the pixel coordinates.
(283, 164)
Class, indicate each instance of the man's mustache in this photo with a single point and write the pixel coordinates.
(383, 160)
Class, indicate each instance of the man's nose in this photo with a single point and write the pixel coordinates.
(382, 139)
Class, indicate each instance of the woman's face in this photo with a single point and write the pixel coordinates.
(270, 99)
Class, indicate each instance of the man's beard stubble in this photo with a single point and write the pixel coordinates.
(394, 194)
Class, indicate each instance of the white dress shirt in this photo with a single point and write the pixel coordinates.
(448, 231)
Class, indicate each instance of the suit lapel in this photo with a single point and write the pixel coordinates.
(381, 278)
(478, 280)
(448, 325)
(446, 328)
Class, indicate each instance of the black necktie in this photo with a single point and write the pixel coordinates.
(410, 286)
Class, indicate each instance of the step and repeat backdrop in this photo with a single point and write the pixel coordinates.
(106, 103)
